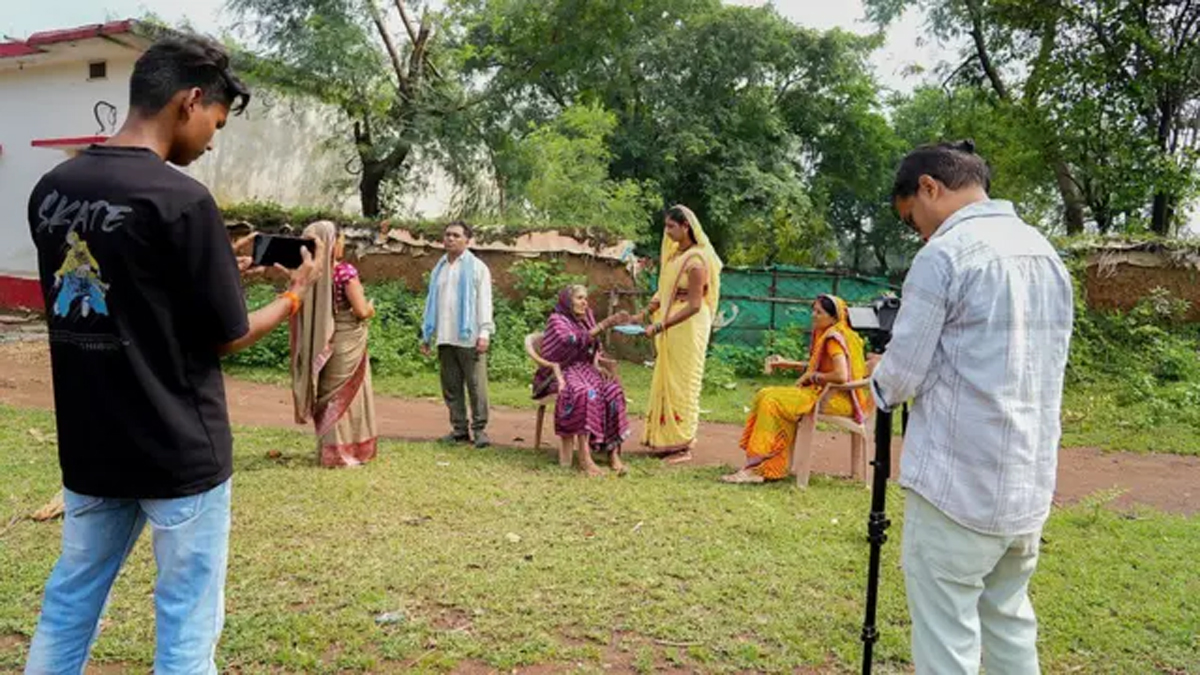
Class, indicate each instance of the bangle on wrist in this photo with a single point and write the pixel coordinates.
(294, 299)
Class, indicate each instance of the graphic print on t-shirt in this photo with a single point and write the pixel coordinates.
(79, 279)
(74, 234)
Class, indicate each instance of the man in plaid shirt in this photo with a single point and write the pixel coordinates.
(980, 347)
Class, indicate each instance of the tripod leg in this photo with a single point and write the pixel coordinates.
(877, 525)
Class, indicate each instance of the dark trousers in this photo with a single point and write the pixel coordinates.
(464, 367)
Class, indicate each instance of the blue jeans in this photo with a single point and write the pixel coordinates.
(191, 548)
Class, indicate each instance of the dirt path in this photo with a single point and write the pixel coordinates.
(1167, 482)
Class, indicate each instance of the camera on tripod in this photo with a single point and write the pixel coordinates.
(874, 321)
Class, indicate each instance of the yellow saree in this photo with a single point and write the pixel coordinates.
(674, 411)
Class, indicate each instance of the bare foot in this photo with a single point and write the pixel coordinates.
(678, 457)
(592, 470)
(616, 463)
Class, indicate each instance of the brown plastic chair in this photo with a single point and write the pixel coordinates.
(533, 348)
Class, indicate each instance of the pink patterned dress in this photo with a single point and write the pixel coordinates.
(589, 404)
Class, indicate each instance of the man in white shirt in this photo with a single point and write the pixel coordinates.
(980, 346)
(458, 319)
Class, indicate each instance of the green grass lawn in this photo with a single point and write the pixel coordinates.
(1091, 417)
(502, 559)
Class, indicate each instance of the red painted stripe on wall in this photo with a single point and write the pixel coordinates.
(21, 293)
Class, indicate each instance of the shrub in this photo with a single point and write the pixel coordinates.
(395, 331)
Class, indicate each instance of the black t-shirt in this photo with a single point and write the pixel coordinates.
(141, 288)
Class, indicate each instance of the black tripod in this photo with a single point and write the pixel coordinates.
(877, 524)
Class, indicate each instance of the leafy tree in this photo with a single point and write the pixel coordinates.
(1145, 55)
(1108, 91)
(560, 175)
(998, 36)
(712, 102)
(343, 52)
(793, 234)
(852, 150)
(932, 114)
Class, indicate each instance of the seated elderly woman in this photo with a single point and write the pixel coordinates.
(835, 357)
(589, 413)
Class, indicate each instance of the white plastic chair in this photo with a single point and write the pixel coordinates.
(802, 446)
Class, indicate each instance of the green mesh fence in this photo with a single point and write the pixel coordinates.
(755, 300)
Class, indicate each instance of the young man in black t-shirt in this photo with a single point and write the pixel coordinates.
(143, 296)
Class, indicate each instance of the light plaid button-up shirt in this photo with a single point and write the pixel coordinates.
(980, 346)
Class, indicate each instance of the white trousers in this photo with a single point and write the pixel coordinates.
(968, 595)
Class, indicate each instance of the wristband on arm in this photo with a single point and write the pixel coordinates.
(295, 300)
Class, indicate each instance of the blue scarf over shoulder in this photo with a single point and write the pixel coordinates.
(466, 299)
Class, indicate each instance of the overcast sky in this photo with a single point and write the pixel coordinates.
(902, 48)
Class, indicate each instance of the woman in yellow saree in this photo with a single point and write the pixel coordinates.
(835, 357)
(682, 313)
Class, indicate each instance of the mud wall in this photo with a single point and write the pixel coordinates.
(412, 267)
(1121, 285)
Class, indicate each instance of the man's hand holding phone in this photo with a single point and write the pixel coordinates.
(309, 270)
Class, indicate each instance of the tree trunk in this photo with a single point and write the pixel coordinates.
(1163, 210)
(1073, 203)
(881, 259)
(1103, 218)
(374, 172)
(856, 265)
(1162, 214)
(368, 190)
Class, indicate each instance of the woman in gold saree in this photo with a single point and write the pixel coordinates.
(835, 357)
(331, 369)
(682, 312)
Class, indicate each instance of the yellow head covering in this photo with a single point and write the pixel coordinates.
(852, 344)
(669, 275)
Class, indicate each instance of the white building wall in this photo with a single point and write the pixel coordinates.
(283, 150)
(299, 152)
(52, 101)
(293, 152)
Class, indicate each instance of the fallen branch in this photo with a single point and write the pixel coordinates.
(671, 643)
(11, 522)
(52, 509)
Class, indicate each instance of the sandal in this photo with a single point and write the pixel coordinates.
(743, 477)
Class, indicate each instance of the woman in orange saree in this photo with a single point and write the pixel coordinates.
(835, 357)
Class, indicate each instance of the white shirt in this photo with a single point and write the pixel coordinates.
(447, 306)
(980, 345)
